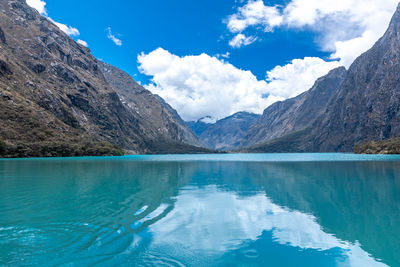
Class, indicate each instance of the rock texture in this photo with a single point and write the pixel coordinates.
(365, 107)
(295, 114)
(53, 94)
(158, 120)
(225, 134)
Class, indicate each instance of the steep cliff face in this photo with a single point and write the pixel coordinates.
(225, 134)
(158, 120)
(365, 107)
(54, 94)
(295, 114)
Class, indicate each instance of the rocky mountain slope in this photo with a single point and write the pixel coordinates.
(295, 114)
(54, 98)
(365, 107)
(225, 134)
(158, 120)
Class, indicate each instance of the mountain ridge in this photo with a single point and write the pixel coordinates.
(364, 108)
(54, 99)
(225, 134)
(294, 114)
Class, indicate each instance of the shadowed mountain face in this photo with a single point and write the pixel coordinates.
(225, 134)
(295, 114)
(54, 94)
(365, 107)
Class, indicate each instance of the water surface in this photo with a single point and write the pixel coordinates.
(201, 210)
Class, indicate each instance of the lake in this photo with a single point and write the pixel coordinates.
(201, 210)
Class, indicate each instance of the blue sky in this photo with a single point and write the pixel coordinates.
(189, 69)
(181, 27)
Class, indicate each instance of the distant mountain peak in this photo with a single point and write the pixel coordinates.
(207, 119)
(226, 133)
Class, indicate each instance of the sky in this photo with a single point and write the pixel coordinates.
(215, 58)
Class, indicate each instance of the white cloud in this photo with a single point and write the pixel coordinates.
(297, 76)
(81, 42)
(255, 13)
(71, 31)
(197, 86)
(226, 55)
(346, 28)
(201, 86)
(39, 5)
(240, 40)
(113, 38)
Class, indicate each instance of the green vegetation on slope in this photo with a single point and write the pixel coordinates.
(390, 146)
(58, 149)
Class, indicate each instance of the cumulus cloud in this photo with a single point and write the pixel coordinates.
(297, 76)
(71, 31)
(255, 13)
(346, 28)
(39, 5)
(198, 86)
(112, 37)
(240, 40)
(81, 42)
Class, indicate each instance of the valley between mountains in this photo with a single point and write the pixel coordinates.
(57, 99)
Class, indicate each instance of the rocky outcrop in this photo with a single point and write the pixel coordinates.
(365, 107)
(225, 134)
(53, 92)
(295, 114)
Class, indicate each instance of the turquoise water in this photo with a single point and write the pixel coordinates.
(201, 210)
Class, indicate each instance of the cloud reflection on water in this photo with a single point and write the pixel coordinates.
(212, 221)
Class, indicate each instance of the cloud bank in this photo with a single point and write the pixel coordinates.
(346, 28)
(200, 86)
(297, 76)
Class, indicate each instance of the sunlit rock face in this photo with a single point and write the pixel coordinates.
(54, 97)
(158, 119)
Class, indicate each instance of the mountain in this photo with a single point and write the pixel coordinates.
(365, 107)
(55, 100)
(199, 126)
(292, 115)
(226, 133)
(367, 104)
(158, 120)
